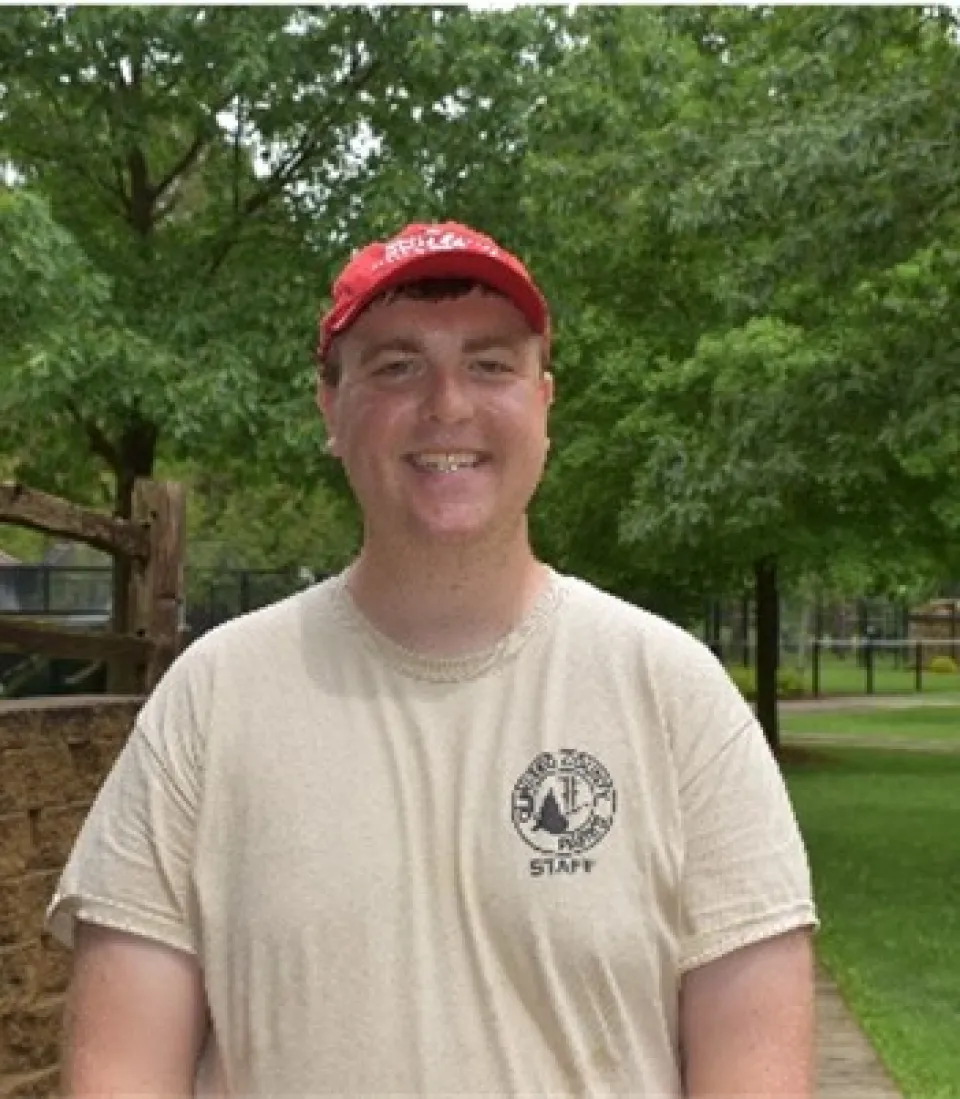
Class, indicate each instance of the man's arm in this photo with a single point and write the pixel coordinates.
(135, 1019)
(747, 1022)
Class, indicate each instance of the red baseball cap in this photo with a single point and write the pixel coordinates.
(446, 250)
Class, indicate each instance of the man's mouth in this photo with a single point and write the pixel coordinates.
(453, 461)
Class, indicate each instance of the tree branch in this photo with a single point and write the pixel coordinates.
(168, 204)
(260, 198)
(189, 160)
(136, 67)
(115, 192)
(120, 189)
(277, 180)
(237, 146)
(182, 166)
(141, 195)
(99, 443)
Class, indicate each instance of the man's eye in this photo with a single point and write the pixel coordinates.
(493, 366)
(396, 368)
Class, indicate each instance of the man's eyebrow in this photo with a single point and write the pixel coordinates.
(396, 343)
(486, 343)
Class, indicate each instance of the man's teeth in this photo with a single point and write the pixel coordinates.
(446, 463)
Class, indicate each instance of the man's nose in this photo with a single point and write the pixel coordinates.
(447, 396)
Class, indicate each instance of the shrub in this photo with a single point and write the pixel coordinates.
(790, 682)
(942, 665)
(745, 681)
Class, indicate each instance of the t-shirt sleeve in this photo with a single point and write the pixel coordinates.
(131, 867)
(745, 871)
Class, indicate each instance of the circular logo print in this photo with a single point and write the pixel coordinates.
(564, 802)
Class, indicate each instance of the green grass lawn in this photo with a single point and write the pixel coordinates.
(922, 723)
(883, 833)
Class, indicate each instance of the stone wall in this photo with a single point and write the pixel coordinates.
(54, 754)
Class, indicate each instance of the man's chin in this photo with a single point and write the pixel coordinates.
(454, 530)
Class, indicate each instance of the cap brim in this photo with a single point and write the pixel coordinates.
(492, 272)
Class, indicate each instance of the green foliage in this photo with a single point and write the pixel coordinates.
(790, 682)
(738, 195)
(942, 665)
(210, 168)
(746, 220)
(46, 281)
(267, 525)
(23, 545)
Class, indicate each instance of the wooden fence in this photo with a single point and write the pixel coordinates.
(153, 540)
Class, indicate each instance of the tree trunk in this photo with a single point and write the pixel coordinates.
(744, 635)
(714, 625)
(768, 648)
(137, 452)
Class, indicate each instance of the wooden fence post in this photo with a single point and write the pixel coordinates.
(156, 585)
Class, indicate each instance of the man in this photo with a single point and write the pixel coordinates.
(448, 822)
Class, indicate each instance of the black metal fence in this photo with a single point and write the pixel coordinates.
(82, 596)
(729, 627)
(820, 667)
(54, 590)
(863, 647)
(212, 595)
(215, 596)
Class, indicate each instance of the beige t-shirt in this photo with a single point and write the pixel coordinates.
(431, 877)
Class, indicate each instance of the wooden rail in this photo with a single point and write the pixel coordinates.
(49, 514)
(19, 634)
(153, 540)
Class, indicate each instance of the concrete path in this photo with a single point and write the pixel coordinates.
(862, 704)
(847, 1065)
(881, 743)
(844, 703)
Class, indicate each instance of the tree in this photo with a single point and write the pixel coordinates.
(238, 522)
(192, 151)
(49, 292)
(835, 156)
(211, 166)
(758, 188)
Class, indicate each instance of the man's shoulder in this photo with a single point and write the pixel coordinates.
(254, 652)
(594, 610)
(267, 634)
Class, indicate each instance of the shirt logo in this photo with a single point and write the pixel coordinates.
(563, 805)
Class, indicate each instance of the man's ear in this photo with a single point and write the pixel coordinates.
(326, 399)
(549, 387)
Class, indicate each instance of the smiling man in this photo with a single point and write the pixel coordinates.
(449, 822)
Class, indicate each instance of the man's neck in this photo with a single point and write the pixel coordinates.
(448, 602)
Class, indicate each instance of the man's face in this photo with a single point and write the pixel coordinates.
(440, 418)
